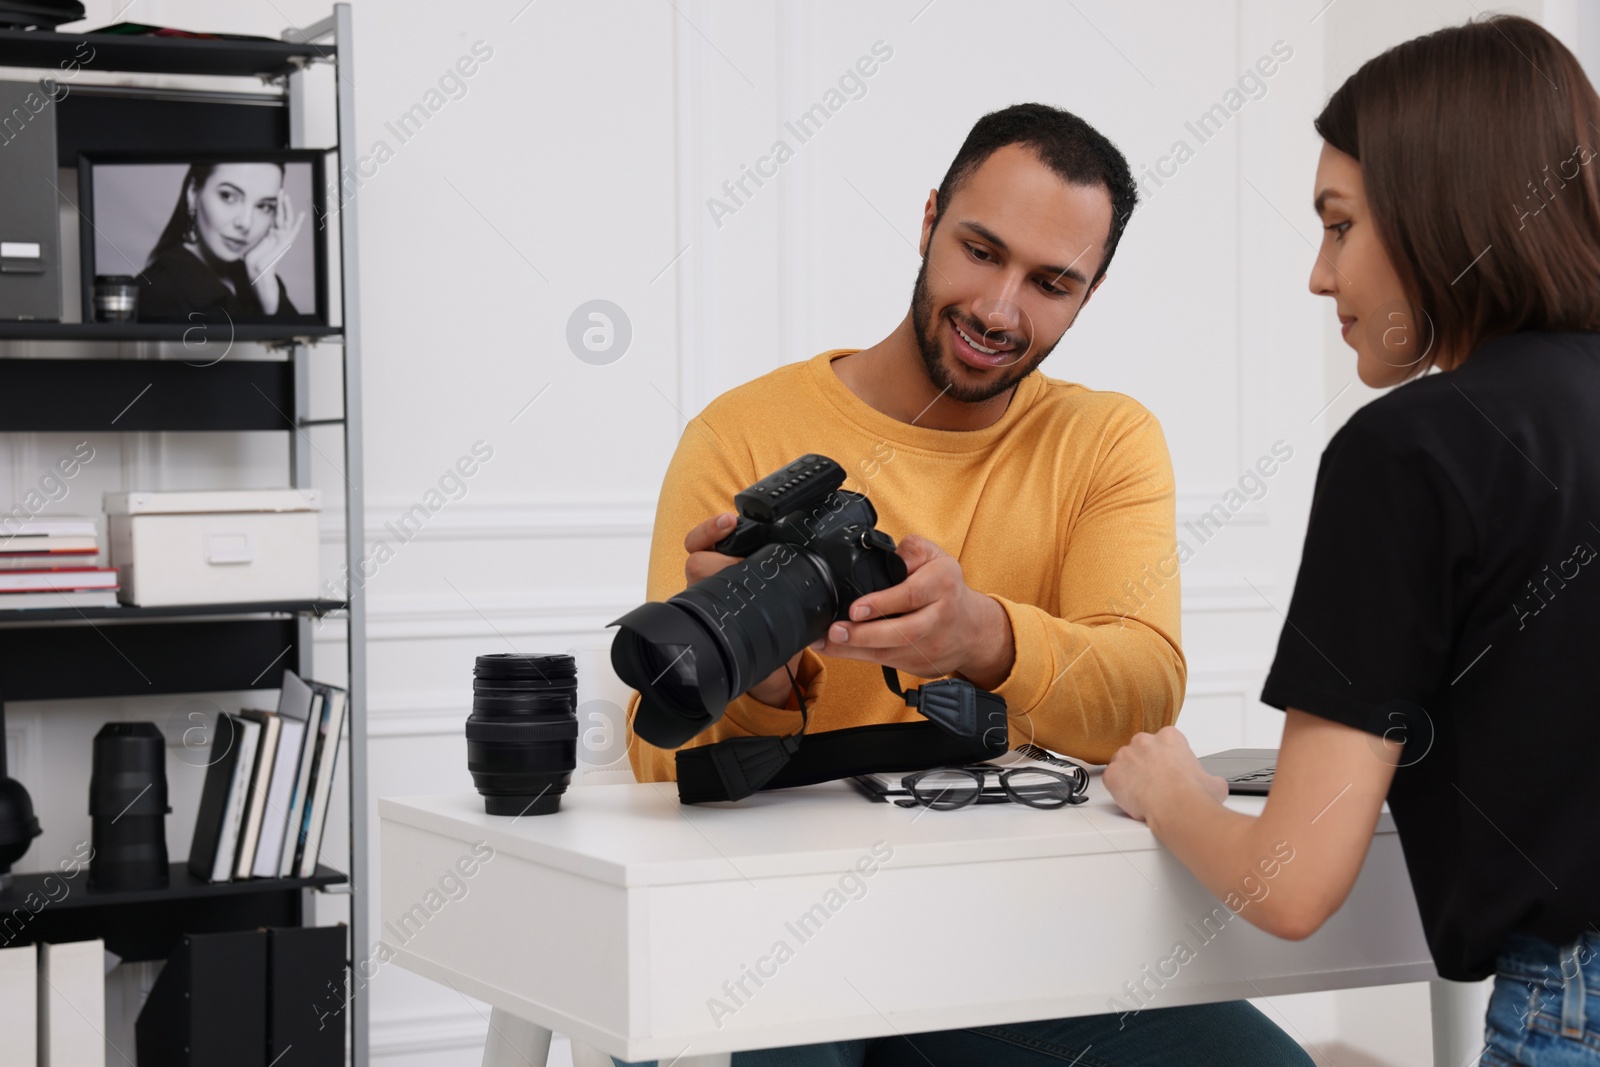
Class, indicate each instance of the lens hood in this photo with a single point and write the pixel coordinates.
(665, 721)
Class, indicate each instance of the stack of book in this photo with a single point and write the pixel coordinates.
(268, 786)
(50, 563)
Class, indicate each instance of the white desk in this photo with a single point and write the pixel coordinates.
(619, 919)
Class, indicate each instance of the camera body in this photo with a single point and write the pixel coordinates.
(810, 550)
(850, 553)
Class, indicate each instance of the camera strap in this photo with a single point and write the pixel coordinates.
(964, 724)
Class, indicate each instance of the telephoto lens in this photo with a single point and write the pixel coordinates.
(522, 735)
(808, 550)
(128, 807)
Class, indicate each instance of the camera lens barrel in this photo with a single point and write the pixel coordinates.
(710, 643)
(522, 735)
(128, 807)
(809, 549)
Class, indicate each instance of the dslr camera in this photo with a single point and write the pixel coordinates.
(809, 549)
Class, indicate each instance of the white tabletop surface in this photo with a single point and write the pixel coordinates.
(636, 835)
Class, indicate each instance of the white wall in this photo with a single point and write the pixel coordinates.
(578, 166)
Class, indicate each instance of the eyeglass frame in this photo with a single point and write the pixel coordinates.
(1077, 782)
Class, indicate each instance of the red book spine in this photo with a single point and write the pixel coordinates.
(62, 578)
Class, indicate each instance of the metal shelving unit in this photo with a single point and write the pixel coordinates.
(63, 653)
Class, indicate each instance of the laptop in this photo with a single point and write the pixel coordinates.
(1248, 770)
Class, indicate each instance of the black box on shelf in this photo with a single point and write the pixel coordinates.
(30, 231)
(209, 1007)
(307, 992)
(243, 999)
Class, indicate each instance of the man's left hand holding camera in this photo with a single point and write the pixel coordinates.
(941, 625)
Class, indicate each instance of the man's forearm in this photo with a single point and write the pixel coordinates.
(994, 648)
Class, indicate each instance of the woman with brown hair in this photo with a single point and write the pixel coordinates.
(1442, 648)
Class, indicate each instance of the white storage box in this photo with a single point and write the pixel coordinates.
(217, 547)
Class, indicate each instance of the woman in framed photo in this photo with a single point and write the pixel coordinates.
(221, 248)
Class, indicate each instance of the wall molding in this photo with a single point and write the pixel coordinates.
(413, 1033)
(1241, 680)
(586, 519)
(442, 713)
(1193, 503)
(410, 1034)
(586, 613)
(461, 521)
(448, 616)
(1207, 593)
(690, 276)
(581, 611)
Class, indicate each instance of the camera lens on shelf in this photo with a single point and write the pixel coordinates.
(128, 807)
(116, 298)
(522, 735)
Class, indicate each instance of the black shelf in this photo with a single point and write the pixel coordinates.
(199, 383)
(103, 395)
(199, 654)
(156, 55)
(135, 614)
(205, 342)
(143, 924)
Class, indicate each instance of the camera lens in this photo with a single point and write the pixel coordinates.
(116, 298)
(522, 735)
(692, 654)
(128, 807)
(808, 553)
(674, 677)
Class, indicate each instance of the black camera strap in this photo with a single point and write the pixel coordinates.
(964, 724)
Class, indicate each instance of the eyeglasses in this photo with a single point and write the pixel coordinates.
(956, 787)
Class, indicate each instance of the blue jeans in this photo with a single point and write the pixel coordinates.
(1545, 1009)
(1233, 1034)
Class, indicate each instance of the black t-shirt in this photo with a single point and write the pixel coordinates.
(178, 286)
(1449, 595)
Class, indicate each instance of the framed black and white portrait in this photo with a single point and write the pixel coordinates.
(208, 237)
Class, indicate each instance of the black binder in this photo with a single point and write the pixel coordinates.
(208, 1008)
(307, 994)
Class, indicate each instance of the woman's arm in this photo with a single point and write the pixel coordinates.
(1329, 785)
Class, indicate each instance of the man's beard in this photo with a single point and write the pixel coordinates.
(928, 331)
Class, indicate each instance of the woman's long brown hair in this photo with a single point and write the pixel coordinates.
(1478, 147)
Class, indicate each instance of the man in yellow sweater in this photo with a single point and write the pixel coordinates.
(1035, 518)
(1027, 509)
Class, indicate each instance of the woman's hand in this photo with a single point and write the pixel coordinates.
(260, 263)
(1151, 767)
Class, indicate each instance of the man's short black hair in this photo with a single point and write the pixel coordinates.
(1077, 152)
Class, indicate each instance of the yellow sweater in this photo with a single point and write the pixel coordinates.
(1062, 511)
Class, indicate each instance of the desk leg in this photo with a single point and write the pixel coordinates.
(584, 1056)
(515, 1042)
(1458, 1019)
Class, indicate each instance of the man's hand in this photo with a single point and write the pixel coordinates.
(704, 562)
(1152, 769)
(943, 626)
